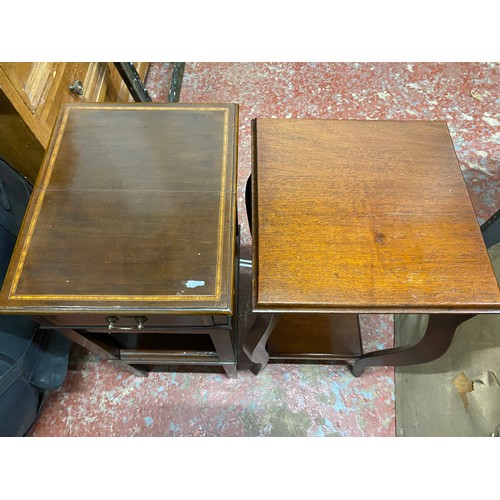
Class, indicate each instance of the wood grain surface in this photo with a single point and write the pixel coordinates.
(134, 210)
(364, 216)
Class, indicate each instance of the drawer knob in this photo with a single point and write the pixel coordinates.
(76, 87)
(114, 319)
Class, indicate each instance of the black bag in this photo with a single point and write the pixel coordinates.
(32, 361)
(491, 230)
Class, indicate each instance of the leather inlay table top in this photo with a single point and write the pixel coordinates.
(134, 209)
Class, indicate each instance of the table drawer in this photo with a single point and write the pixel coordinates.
(128, 321)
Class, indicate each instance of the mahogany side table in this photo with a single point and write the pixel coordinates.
(129, 244)
(358, 217)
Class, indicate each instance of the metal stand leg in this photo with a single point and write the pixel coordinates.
(136, 87)
(175, 86)
(133, 81)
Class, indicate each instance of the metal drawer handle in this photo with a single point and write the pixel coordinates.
(113, 319)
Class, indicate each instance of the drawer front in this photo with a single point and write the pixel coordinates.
(128, 321)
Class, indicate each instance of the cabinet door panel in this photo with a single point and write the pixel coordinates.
(33, 81)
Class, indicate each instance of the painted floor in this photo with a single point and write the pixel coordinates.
(99, 399)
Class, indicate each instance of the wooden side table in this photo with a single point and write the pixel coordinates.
(129, 244)
(354, 217)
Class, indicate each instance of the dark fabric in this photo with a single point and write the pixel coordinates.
(15, 192)
(491, 230)
(32, 361)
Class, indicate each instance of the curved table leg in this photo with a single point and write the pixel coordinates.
(438, 331)
(255, 343)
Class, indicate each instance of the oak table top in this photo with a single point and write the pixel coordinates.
(134, 210)
(364, 216)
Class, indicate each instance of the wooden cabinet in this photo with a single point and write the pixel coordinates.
(31, 94)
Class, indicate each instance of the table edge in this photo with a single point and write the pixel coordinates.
(363, 309)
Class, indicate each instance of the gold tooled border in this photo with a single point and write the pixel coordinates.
(43, 189)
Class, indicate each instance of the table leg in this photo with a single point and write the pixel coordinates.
(255, 344)
(225, 349)
(109, 354)
(437, 330)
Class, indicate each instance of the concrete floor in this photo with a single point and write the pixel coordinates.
(459, 393)
(99, 399)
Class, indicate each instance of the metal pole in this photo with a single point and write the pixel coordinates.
(133, 81)
(491, 230)
(175, 86)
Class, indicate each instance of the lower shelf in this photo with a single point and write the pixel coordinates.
(169, 357)
(316, 337)
(159, 348)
